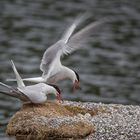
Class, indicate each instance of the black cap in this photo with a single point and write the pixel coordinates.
(77, 76)
(56, 87)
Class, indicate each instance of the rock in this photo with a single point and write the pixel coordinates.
(46, 121)
(111, 121)
(87, 115)
(76, 121)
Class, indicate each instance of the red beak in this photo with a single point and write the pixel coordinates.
(59, 98)
(76, 85)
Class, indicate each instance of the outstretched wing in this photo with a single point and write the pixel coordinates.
(71, 29)
(80, 38)
(51, 57)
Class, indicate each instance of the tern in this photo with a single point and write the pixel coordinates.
(34, 93)
(51, 65)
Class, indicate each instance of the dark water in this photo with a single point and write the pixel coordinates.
(109, 67)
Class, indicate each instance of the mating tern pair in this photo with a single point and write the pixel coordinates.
(51, 66)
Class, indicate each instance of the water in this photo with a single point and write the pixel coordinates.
(109, 66)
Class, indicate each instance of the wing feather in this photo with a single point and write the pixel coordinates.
(54, 52)
(49, 58)
(80, 38)
(71, 29)
(14, 92)
(50, 63)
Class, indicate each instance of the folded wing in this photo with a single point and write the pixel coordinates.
(14, 92)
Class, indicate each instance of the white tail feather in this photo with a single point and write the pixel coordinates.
(34, 80)
(5, 85)
(18, 78)
(11, 80)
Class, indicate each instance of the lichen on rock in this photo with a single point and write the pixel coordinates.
(48, 120)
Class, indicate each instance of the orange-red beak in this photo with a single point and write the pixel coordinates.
(59, 98)
(76, 85)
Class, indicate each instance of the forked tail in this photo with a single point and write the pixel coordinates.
(13, 92)
(18, 78)
(9, 87)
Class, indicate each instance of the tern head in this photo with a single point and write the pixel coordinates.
(76, 82)
(57, 91)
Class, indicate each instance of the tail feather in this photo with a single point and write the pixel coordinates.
(12, 94)
(8, 92)
(15, 94)
(11, 80)
(18, 78)
(9, 87)
(35, 80)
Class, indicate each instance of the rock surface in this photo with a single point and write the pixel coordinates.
(76, 120)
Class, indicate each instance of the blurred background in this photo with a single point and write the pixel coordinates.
(109, 66)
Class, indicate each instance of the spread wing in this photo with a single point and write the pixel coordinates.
(80, 38)
(51, 57)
